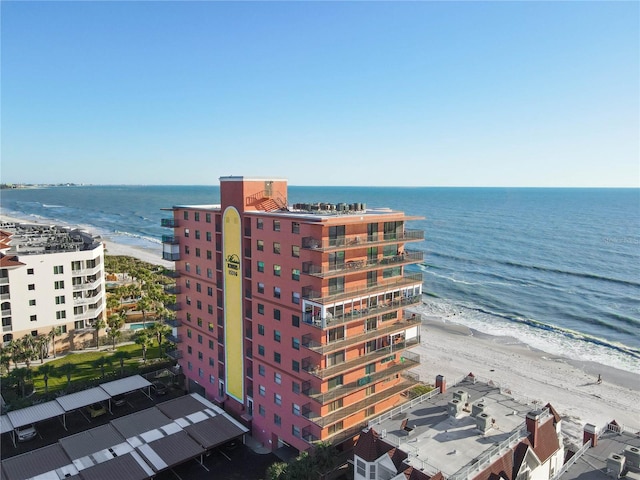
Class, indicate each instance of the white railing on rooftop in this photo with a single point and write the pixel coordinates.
(404, 407)
(572, 460)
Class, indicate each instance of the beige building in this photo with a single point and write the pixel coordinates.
(50, 276)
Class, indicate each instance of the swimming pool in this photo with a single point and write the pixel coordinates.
(140, 326)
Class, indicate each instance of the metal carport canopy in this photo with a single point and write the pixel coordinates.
(5, 424)
(35, 413)
(81, 399)
(125, 385)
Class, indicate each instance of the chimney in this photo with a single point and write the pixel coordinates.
(590, 434)
(441, 383)
(533, 424)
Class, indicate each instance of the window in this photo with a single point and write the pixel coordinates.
(212, 379)
(209, 254)
(261, 266)
(58, 269)
(198, 270)
(261, 350)
(211, 344)
(259, 224)
(276, 357)
(336, 285)
(276, 270)
(295, 320)
(187, 283)
(295, 365)
(260, 287)
(198, 287)
(34, 318)
(60, 314)
(197, 252)
(260, 245)
(276, 335)
(261, 411)
(277, 378)
(189, 349)
(361, 467)
(200, 356)
(77, 325)
(262, 391)
(391, 272)
(295, 409)
(276, 314)
(277, 420)
(185, 215)
(29, 271)
(200, 339)
(335, 358)
(210, 291)
(189, 333)
(208, 236)
(295, 227)
(209, 273)
(196, 216)
(188, 300)
(210, 309)
(295, 343)
(276, 225)
(186, 233)
(59, 285)
(372, 472)
(187, 267)
(32, 302)
(32, 286)
(60, 299)
(295, 251)
(295, 298)
(260, 329)
(276, 292)
(261, 309)
(277, 399)
(188, 317)
(261, 370)
(207, 217)
(335, 381)
(276, 247)
(210, 326)
(336, 427)
(295, 387)
(197, 234)
(295, 431)
(199, 304)
(335, 405)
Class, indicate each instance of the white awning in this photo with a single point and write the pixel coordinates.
(125, 385)
(81, 399)
(35, 413)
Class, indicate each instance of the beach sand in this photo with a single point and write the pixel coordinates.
(532, 376)
(454, 350)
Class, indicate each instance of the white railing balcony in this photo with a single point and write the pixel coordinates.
(87, 285)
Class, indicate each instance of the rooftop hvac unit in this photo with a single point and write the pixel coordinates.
(632, 456)
(615, 465)
(484, 422)
(454, 407)
(461, 395)
(477, 408)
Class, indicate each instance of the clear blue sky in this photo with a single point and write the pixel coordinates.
(353, 93)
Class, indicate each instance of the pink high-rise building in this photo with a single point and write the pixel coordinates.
(293, 316)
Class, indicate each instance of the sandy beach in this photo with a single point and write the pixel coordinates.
(454, 351)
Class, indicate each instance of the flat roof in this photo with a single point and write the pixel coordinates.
(125, 385)
(435, 441)
(35, 413)
(5, 424)
(91, 441)
(140, 423)
(126, 467)
(43, 461)
(170, 450)
(74, 401)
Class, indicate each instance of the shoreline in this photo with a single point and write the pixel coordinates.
(531, 375)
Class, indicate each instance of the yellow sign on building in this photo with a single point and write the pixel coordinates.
(233, 317)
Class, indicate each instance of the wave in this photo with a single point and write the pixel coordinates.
(52, 206)
(136, 235)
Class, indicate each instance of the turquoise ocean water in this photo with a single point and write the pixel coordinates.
(558, 269)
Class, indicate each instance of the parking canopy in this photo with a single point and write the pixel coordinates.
(35, 413)
(42, 462)
(77, 400)
(5, 424)
(125, 385)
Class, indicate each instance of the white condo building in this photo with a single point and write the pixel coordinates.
(50, 276)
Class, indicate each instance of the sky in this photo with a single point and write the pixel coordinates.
(531, 94)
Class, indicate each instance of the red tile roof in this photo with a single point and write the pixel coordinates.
(370, 447)
(547, 442)
(10, 261)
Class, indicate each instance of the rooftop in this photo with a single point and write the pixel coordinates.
(486, 424)
(34, 239)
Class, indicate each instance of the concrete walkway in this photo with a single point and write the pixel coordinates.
(256, 446)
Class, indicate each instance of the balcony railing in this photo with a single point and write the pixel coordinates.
(172, 289)
(175, 354)
(333, 417)
(319, 297)
(362, 265)
(5, 296)
(173, 322)
(5, 312)
(7, 328)
(174, 338)
(385, 329)
(85, 300)
(170, 239)
(87, 285)
(4, 280)
(362, 360)
(411, 360)
(86, 271)
(171, 256)
(174, 307)
(358, 315)
(355, 241)
(168, 222)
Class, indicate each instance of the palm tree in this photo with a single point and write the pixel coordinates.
(112, 302)
(115, 323)
(28, 343)
(41, 346)
(101, 363)
(47, 370)
(98, 325)
(67, 369)
(144, 305)
(160, 330)
(5, 360)
(144, 340)
(121, 355)
(15, 351)
(21, 376)
(55, 332)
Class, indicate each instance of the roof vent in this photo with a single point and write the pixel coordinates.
(484, 422)
(615, 465)
(632, 456)
(477, 408)
(454, 407)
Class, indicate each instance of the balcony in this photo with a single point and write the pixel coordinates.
(408, 382)
(171, 256)
(86, 271)
(173, 322)
(404, 281)
(362, 265)
(389, 328)
(5, 312)
(174, 307)
(173, 338)
(5, 296)
(4, 280)
(175, 354)
(87, 285)
(354, 363)
(358, 315)
(357, 241)
(7, 328)
(85, 300)
(172, 289)
(394, 367)
(168, 222)
(90, 314)
(170, 239)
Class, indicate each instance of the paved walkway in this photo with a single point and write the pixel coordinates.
(254, 445)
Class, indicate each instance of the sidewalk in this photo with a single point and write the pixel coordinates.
(256, 446)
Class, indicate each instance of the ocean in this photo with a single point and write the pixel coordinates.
(558, 269)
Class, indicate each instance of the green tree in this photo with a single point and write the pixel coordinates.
(98, 325)
(144, 305)
(55, 332)
(121, 356)
(160, 331)
(41, 345)
(28, 343)
(115, 323)
(16, 352)
(112, 302)
(277, 471)
(21, 376)
(5, 360)
(67, 369)
(101, 363)
(47, 370)
(144, 340)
